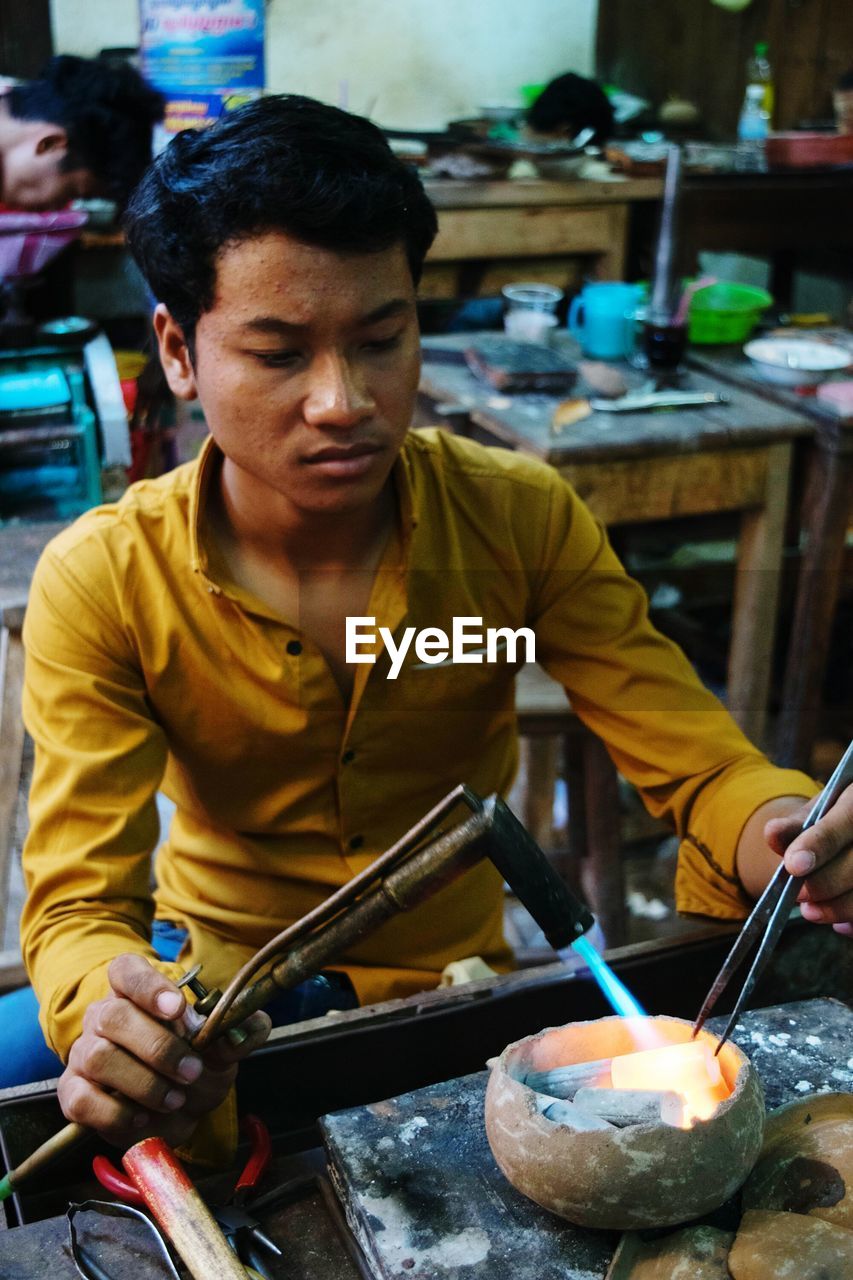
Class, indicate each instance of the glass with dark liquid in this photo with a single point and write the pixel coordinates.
(664, 342)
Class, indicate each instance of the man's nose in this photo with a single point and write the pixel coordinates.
(338, 394)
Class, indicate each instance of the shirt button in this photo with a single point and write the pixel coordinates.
(294, 647)
(348, 757)
(356, 842)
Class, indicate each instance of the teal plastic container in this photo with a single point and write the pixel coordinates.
(726, 312)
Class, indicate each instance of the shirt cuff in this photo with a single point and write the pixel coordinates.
(706, 880)
(62, 1017)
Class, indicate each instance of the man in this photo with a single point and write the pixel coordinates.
(81, 129)
(570, 103)
(192, 637)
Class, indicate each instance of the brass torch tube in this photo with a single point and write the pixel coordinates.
(418, 878)
(409, 883)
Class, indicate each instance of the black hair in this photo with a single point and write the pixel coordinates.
(107, 110)
(570, 101)
(845, 82)
(283, 163)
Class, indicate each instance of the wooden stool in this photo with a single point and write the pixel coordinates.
(11, 738)
(594, 859)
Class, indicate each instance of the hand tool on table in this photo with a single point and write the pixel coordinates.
(638, 401)
(159, 1183)
(241, 1230)
(88, 1266)
(771, 912)
(429, 856)
(180, 1212)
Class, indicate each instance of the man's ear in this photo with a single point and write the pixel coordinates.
(174, 354)
(51, 140)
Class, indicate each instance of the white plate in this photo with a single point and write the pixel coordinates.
(796, 362)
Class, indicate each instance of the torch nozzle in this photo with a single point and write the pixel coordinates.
(561, 916)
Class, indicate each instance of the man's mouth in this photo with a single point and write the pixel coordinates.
(345, 460)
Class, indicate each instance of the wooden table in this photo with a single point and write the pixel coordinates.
(795, 218)
(825, 518)
(529, 228)
(635, 468)
(494, 232)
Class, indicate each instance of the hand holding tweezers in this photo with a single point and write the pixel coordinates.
(770, 913)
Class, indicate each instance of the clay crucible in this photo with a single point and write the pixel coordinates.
(649, 1174)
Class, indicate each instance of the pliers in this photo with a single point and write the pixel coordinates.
(241, 1230)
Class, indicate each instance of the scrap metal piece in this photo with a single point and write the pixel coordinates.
(637, 402)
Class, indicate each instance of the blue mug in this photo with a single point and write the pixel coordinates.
(598, 318)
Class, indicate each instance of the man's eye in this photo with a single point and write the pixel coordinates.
(276, 359)
(384, 344)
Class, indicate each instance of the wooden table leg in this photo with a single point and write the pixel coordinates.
(826, 515)
(754, 615)
(610, 264)
(540, 764)
(605, 868)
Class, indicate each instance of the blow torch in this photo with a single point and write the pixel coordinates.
(428, 857)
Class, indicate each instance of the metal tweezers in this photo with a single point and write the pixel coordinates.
(771, 912)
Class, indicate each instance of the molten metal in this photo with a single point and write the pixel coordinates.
(690, 1070)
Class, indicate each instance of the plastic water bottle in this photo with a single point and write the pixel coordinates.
(753, 127)
(759, 71)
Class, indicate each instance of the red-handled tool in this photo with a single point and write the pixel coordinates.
(180, 1212)
(115, 1182)
(242, 1231)
(260, 1156)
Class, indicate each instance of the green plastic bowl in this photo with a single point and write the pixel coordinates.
(726, 312)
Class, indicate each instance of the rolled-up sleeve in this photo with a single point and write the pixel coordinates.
(99, 758)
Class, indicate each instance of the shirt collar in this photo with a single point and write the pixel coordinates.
(408, 505)
(209, 461)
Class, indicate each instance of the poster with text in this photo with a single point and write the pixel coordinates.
(204, 56)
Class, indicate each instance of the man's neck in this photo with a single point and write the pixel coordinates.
(300, 540)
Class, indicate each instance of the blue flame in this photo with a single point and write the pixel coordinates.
(615, 991)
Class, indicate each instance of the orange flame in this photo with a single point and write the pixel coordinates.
(690, 1070)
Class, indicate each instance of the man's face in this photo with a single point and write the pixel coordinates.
(33, 176)
(307, 368)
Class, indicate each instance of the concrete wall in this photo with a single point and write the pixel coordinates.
(403, 62)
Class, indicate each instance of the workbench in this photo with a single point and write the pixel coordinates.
(423, 1195)
(632, 468)
(354, 1062)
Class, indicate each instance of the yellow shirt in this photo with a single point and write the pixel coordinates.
(148, 668)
